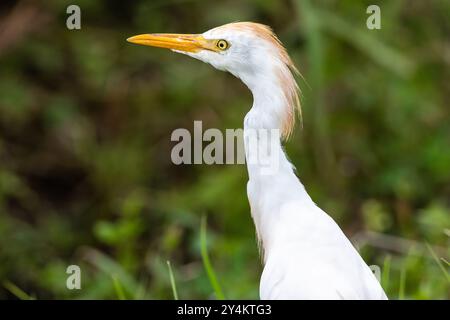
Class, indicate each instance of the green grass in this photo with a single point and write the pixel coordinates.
(172, 281)
(386, 272)
(16, 291)
(207, 263)
(118, 288)
(446, 262)
(439, 262)
(401, 288)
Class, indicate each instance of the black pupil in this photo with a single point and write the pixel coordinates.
(221, 44)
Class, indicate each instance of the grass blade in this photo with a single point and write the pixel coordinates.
(16, 291)
(118, 287)
(438, 261)
(386, 272)
(172, 281)
(207, 263)
(110, 267)
(401, 288)
(445, 261)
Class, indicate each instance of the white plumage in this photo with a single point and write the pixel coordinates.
(306, 255)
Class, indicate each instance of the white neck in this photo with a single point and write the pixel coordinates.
(273, 176)
(262, 132)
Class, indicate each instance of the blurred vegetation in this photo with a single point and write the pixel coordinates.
(85, 124)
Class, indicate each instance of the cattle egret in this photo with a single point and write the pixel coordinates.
(305, 253)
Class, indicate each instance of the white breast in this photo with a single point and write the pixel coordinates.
(309, 257)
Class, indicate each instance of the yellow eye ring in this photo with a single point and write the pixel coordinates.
(222, 44)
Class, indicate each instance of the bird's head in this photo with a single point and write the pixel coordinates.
(248, 50)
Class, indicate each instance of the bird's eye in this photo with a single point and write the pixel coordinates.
(222, 44)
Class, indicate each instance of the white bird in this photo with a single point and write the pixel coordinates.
(306, 255)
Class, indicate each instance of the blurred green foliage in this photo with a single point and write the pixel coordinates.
(85, 125)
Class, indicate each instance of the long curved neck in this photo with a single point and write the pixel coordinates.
(263, 126)
(272, 181)
(264, 153)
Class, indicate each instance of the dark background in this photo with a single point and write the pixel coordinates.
(85, 124)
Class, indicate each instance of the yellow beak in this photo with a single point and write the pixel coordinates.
(182, 42)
